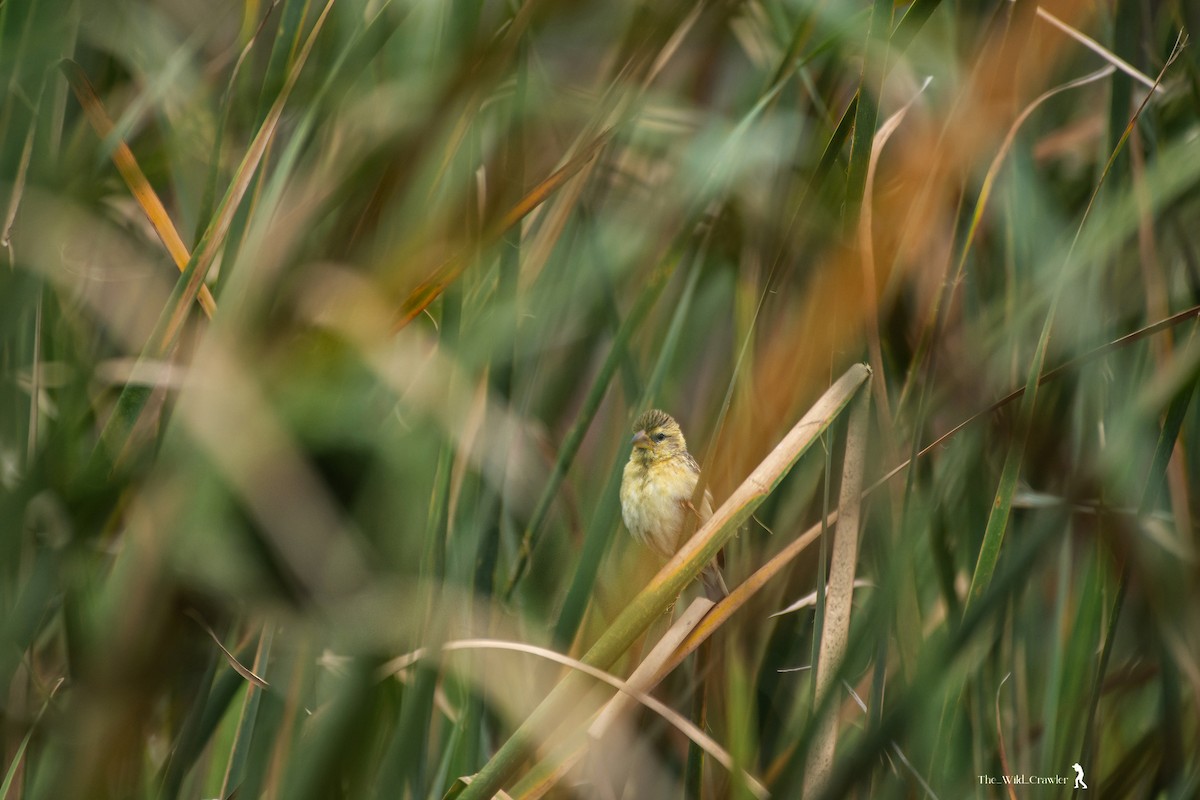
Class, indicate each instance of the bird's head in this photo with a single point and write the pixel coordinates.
(657, 437)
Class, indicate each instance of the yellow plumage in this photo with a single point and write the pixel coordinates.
(656, 492)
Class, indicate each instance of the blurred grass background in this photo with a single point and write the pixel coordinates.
(451, 250)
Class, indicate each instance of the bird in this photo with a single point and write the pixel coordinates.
(656, 492)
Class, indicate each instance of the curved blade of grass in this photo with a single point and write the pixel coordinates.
(673, 577)
(628, 689)
(13, 767)
(866, 244)
(1100, 50)
(544, 776)
(134, 178)
(867, 112)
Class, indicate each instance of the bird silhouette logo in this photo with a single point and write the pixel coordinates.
(1079, 784)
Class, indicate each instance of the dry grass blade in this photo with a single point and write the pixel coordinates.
(836, 630)
(14, 202)
(1100, 50)
(214, 236)
(644, 678)
(432, 288)
(989, 180)
(1000, 739)
(810, 599)
(238, 667)
(646, 675)
(866, 244)
(135, 179)
(681, 723)
(742, 593)
(118, 435)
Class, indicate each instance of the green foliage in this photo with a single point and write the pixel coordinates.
(454, 249)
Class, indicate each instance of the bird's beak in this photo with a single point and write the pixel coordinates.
(640, 439)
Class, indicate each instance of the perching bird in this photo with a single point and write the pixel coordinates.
(656, 492)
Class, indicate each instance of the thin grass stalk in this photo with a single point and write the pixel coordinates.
(836, 631)
(1126, 32)
(617, 353)
(209, 193)
(135, 179)
(15, 766)
(132, 399)
(870, 85)
(405, 758)
(35, 380)
(677, 573)
(18, 189)
(236, 766)
(505, 300)
(604, 519)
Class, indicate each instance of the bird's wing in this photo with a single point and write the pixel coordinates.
(706, 505)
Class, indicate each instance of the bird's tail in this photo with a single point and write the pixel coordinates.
(714, 585)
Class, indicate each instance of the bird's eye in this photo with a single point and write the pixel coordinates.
(658, 437)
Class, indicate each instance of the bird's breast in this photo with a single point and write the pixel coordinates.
(653, 503)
